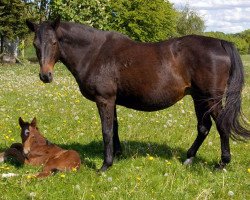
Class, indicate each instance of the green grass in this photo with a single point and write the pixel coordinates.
(154, 145)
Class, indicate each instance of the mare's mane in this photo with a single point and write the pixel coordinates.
(76, 33)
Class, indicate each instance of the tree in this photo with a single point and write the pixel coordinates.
(12, 22)
(90, 12)
(189, 22)
(143, 20)
(241, 43)
(246, 35)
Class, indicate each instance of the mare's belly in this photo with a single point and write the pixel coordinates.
(149, 102)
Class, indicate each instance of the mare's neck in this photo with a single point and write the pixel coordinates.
(78, 45)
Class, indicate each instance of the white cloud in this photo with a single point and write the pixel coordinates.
(229, 16)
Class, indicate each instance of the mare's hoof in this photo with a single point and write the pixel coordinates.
(118, 153)
(189, 161)
(220, 166)
(103, 168)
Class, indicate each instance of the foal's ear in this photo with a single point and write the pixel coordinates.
(33, 122)
(31, 25)
(56, 22)
(21, 122)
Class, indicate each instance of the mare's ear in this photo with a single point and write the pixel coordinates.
(21, 122)
(56, 22)
(33, 122)
(31, 25)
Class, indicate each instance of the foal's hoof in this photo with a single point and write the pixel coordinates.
(189, 161)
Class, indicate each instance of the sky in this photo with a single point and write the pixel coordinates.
(228, 16)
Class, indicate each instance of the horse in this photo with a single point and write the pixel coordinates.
(111, 69)
(36, 150)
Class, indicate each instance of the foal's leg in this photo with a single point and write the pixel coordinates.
(116, 140)
(106, 111)
(203, 127)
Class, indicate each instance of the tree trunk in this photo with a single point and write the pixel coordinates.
(1, 50)
(22, 48)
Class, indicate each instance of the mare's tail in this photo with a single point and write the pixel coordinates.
(230, 118)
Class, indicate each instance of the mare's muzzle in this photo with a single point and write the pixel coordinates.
(46, 77)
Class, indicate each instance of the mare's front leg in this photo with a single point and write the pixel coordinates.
(116, 140)
(106, 109)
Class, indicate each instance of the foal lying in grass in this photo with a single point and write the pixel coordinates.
(37, 150)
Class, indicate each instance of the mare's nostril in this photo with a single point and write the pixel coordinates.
(49, 74)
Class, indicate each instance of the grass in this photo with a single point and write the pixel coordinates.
(154, 145)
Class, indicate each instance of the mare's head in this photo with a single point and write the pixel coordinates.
(47, 47)
(31, 138)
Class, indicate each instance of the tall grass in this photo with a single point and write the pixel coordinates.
(154, 145)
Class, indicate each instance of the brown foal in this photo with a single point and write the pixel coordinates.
(36, 150)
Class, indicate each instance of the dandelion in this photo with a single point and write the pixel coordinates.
(248, 170)
(77, 187)
(150, 158)
(167, 162)
(76, 118)
(74, 169)
(109, 179)
(62, 175)
(32, 195)
(230, 193)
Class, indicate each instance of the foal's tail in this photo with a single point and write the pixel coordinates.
(231, 117)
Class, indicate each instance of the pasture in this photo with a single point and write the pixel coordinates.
(154, 145)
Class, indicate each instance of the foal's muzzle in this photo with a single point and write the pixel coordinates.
(46, 77)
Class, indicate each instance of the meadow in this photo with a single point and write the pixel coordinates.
(154, 145)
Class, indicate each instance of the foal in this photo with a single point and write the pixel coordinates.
(37, 150)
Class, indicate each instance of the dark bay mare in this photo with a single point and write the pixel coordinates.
(111, 70)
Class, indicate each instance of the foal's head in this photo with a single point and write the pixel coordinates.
(47, 47)
(31, 138)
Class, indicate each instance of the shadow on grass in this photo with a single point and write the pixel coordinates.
(132, 149)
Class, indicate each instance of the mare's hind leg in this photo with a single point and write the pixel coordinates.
(224, 138)
(116, 140)
(203, 127)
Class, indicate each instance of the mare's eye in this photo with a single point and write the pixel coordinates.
(26, 132)
(53, 43)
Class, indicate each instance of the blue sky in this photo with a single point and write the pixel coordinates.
(228, 16)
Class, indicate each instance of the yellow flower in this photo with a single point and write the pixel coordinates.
(138, 178)
(151, 158)
(63, 175)
(167, 162)
(12, 139)
(248, 170)
(7, 137)
(29, 176)
(74, 169)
